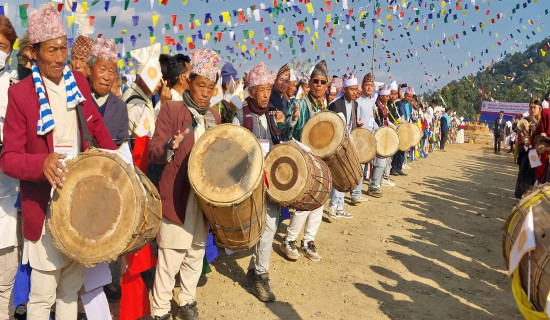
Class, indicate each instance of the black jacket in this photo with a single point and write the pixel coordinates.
(499, 129)
(339, 106)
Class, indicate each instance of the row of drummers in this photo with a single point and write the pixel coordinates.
(233, 178)
(294, 174)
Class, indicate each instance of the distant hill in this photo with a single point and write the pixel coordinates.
(519, 77)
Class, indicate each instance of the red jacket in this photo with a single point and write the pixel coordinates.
(174, 183)
(25, 151)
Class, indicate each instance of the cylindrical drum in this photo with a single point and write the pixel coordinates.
(325, 133)
(417, 135)
(105, 209)
(387, 142)
(296, 177)
(405, 131)
(226, 171)
(539, 200)
(365, 144)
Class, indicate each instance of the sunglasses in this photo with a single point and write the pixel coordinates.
(23, 59)
(316, 81)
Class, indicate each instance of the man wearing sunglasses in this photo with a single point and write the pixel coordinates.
(298, 113)
(24, 58)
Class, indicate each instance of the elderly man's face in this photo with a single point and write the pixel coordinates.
(80, 63)
(261, 94)
(102, 77)
(51, 58)
(318, 86)
(201, 90)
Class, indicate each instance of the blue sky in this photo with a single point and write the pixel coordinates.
(395, 39)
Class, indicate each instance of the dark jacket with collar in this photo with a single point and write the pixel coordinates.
(339, 106)
(499, 129)
(115, 119)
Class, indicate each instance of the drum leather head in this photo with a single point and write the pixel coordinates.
(93, 214)
(387, 141)
(323, 133)
(417, 134)
(226, 165)
(405, 132)
(286, 171)
(365, 144)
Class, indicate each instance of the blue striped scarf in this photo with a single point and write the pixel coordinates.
(74, 97)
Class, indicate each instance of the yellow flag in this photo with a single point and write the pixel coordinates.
(281, 30)
(155, 19)
(310, 8)
(70, 20)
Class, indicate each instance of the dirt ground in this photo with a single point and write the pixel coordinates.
(429, 249)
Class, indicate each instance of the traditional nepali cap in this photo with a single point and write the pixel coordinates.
(285, 70)
(350, 80)
(293, 75)
(337, 83)
(142, 55)
(410, 90)
(320, 69)
(258, 75)
(228, 72)
(205, 63)
(393, 86)
(368, 78)
(384, 90)
(45, 24)
(105, 49)
(82, 46)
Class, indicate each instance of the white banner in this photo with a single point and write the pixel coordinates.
(510, 108)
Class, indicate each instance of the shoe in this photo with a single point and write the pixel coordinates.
(290, 250)
(401, 173)
(250, 278)
(394, 173)
(357, 200)
(261, 288)
(332, 212)
(343, 214)
(375, 193)
(310, 251)
(188, 312)
(164, 317)
(406, 166)
(387, 183)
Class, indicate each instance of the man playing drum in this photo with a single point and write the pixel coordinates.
(347, 107)
(260, 118)
(381, 118)
(183, 232)
(41, 130)
(299, 112)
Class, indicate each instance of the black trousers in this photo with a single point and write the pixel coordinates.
(497, 142)
(444, 135)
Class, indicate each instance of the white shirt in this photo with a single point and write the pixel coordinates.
(9, 187)
(365, 112)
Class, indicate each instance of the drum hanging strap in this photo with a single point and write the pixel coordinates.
(85, 132)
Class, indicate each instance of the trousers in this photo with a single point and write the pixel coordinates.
(8, 269)
(261, 253)
(312, 220)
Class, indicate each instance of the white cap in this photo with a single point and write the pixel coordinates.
(293, 75)
(350, 80)
(393, 86)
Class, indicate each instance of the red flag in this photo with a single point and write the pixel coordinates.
(134, 302)
(140, 154)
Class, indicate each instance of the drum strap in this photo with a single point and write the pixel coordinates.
(91, 142)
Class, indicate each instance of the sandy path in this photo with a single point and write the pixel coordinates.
(429, 249)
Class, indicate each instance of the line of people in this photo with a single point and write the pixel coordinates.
(38, 115)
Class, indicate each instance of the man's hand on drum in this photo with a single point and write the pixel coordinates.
(178, 138)
(360, 123)
(54, 170)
